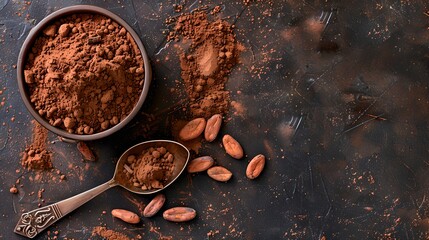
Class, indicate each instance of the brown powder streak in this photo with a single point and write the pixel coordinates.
(36, 156)
(205, 66)
(108, 234)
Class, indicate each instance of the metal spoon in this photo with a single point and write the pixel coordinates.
(35, 221)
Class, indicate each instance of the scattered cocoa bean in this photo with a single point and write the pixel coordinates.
(255, 166)
(13, 190)
(85, 151)
(192, 129)
(126, 216)
(200, 164)
(219, 173)
(232, 147)
(154, 206)
(179, 214)
(212, 127)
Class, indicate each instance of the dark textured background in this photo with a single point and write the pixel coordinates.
(344, 175)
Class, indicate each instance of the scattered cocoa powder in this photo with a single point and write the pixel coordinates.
(151, 169)
(36, 156)
(157, 231)
(85, 73)
(239, 109)
(205, 66)
(40, 193)
(108, 234)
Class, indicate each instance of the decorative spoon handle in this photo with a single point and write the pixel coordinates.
(37, 220)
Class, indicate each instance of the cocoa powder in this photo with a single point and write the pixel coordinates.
(84, 73)
(205, 66)
(36, 156)
(151, 169)
(108, 234)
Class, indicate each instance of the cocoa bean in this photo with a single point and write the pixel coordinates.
(255, 166)
(154, 206)
(85, 151)
(232, 147)
(212, 127)
(219, 173)
(13, 190)
(200, 164)
(192, 129)
(126, 216)
(179, 214)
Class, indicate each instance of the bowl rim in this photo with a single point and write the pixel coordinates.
(28, 43)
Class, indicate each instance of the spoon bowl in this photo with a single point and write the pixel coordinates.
(33, 222)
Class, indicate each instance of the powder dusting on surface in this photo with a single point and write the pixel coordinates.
(205, 66)
(36, 156)
(108, 234)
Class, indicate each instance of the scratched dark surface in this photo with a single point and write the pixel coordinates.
(356, 167)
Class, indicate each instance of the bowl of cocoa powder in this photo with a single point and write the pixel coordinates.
(83, 73)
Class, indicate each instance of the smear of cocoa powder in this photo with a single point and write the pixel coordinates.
(108, 234)
(205, 66)
(239, 109)
(36, 156)
(157, 231)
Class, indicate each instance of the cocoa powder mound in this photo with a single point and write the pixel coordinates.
(151, 169)
(85, 73)
(36, 156)
(205, 66)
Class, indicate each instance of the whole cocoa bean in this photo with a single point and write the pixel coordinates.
(154, 206)
(212, 127)
(255, 166)
(200, 164)
(85, 151)
(232, 147)
(192, 129)
(126, 216)
(219, 173)
(179, 214)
